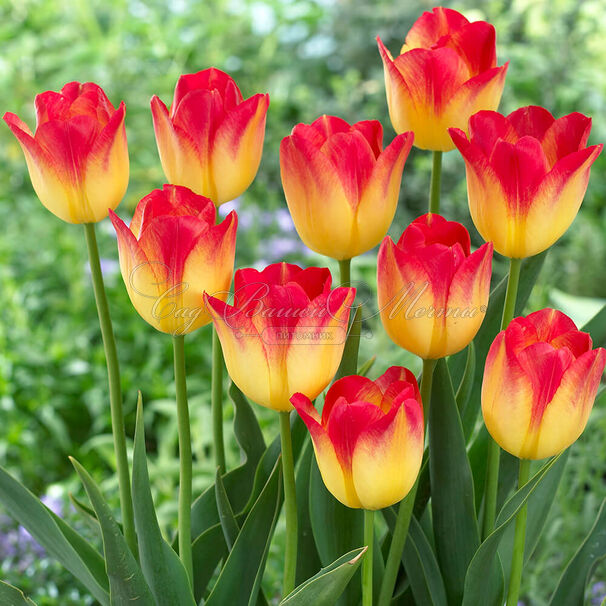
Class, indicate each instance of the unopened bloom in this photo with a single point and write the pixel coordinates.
(540, 382)
(211, 140)
(341, 186)
(369, 439)
(285, 332)
(527, 174)
(77, 157)
(432, 290)
(172, 253)
(446, 71)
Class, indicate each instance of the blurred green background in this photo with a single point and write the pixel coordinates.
(313, 57)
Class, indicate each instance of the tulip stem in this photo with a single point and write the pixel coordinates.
(290, 505)
(517, 560)
(434, 186)
(494, 451)
(185, 462)
(115, 390)
(217, 403)
(345, 272)
(369, 527)
(400, 532)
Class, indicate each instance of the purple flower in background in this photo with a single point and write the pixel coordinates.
(278, 247)
(598, 593)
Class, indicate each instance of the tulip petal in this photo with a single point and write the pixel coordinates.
(531, 121)
(244, 352)
(330, 468)
(387, 456)
(237, 148)
(476, 44)
(431, 26)
(309, 180)
(379, 198)
(373, 133)
(208, 79)
(566, 135)
(566, 415)
(351, 388)
(106, 168)
(486, 128)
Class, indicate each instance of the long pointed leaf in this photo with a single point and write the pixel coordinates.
(571, 587)
(126, 581)
(239, 580)
(161, 566)
(324, 588)
(229, 524)
(24, 507)
(477, 588)
(11, 596)
(454, 516)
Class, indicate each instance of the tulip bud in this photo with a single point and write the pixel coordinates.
(540, 382)
(527, 174)
(77, 158)
(211, 140)
(446, 71)
(172, 253)
(432, 291)
(341, 186)
(369, 439)
(285, 332)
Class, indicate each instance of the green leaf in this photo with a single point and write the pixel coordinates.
(11, 596)
(208, 550)
(240, 577)
(478, 588)
(127, 584)
(364, 369)
(308, 560)
(596, 327)
(336, 528)
(466, 385)
(571, 587)
(238, 482)
(422, 568)
(324, 588)
(455, 524)
(349, 361)
(539, 505)
(229, 524)
(161, 566)
(26, 509)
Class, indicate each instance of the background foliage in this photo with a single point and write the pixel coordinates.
(313, 57)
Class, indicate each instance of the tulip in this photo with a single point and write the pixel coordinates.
(77, 158)
(527, 174)
(172, 253)
(341, 186)
(211, 140)
(540, 381)
(285, 332)
(432, 291)
(446, 71)
(369, 439)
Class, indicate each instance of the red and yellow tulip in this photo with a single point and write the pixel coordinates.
(211, 140)
(446, 71)
(527, 174)
(540, 382)
(285, 332)
(432, 290)
(172, 253)
(77, 157)
(369, 439)
(341, 186)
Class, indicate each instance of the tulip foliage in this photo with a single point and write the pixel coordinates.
(394, 490)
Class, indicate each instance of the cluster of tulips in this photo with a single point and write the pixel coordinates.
(286, 333)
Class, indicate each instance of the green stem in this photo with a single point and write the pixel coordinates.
(290, 505)
(494, 452)
(434, 187)
(217, 403)
(369, 526)
(400, 532)
(115, 391)
(517, 560)
(345, 272)
(185, 463)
